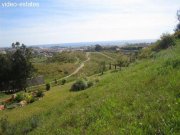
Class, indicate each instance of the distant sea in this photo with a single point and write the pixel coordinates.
(103, 43)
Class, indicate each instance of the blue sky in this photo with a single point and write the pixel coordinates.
(60, 21)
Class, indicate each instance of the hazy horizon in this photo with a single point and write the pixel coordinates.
(89, 43)
(58, 21)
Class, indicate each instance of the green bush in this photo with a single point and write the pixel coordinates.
(19, 97)
(63, 81)
(146, 53)
(166, 41)
(48, 86)
(29, 98)
(39, 93)
(79, 85)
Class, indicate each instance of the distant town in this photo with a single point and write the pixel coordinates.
(49, 50)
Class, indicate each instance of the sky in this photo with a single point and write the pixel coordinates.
(66, 21)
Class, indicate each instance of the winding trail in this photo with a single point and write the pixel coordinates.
(79, 68)
(106, 56)
(75, 72)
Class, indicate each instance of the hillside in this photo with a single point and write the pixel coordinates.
(141, 99)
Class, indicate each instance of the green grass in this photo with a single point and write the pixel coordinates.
(141, 99)
(53, 71)
(58, 68)
(92, 66)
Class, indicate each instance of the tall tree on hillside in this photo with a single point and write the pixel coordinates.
(21, 67)
(5, 72)
(177, 29)
(178, 25)
(15, 68)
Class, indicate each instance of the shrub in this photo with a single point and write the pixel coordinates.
(19, 97)
(79, 85)
(90, 84)
(48, 86)
(177, 34)
(39, 93)
(63, 81)
(145, 53)
(29, 98)
(166, 41)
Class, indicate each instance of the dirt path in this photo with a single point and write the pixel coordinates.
(75, 72)
(79, 68)
(106, 56)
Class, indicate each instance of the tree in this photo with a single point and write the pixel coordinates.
(98, 48)
(110, 66)
(122, 61)
(178, 16)
(13, 45)
(177, 29)
(21, 67)
(5, 72)
(17, 44)
(102, 67)
(48, 86)
(166, 41)
(16, 68)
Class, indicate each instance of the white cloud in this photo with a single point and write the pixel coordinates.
(116, 20)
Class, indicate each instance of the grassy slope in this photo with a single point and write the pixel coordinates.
(92, 66)
(58, 69)
(142, 99)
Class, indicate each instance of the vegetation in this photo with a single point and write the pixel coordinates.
(48, 86)
(102, 67)
(67, 57)
(79, 85)
(15, 68)
(141, 99)
(98, 48)
(166, 41)
(63, 81)
(93, 65)
(19, 97)
(58, 66)
(39, 93)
